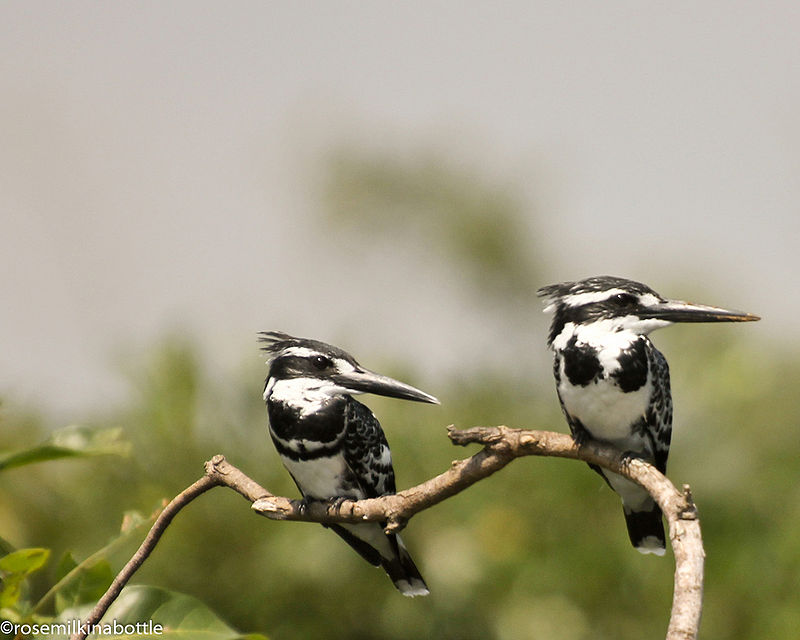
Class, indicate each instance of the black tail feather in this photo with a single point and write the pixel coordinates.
(646, 530)
(365, 550)
(404, 573)
(400, 567)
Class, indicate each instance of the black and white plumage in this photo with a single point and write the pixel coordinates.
(613, 384)
(332, 445)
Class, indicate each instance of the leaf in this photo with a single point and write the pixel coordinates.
(69, 442)
(148, 612)
(87, 584)
(65, 565)
(15, 567)
(5, 547)
(24, 560)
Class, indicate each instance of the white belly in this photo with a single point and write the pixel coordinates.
(604, 409)
(321, 478)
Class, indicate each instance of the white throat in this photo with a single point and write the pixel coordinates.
(309, 395)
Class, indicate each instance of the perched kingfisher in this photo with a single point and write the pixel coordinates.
(332, 445)
(613, 384)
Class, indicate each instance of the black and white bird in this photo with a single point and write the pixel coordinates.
(332, 445)
(613, 383)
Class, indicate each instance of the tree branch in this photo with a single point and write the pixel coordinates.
(501, 445)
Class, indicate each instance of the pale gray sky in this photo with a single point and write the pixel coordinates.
(157, 166)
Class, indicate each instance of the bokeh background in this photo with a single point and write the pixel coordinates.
(398, 179)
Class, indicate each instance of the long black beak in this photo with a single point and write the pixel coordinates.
(679, 311)
(365, 381)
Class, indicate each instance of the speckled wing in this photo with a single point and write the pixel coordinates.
(367, 452)
(659, 414)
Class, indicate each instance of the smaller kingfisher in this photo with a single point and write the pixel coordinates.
(332, 445)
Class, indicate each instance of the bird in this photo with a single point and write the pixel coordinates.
(332, 445)
(613, 384)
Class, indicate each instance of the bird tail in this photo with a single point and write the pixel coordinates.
(404, 573)
(646, 529)
(642, 515)
(386, 551)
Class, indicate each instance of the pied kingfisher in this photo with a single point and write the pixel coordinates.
(332, 445)
(613, 384)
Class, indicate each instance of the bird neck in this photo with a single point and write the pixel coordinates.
(606, 334)
(304, 396)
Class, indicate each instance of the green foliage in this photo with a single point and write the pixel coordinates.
(150, 612)
(81, 584)
(75, 441)
(15, 567)
(84, 582)
(78, 586)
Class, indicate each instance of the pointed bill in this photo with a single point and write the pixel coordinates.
(680, 311)
(365, 381)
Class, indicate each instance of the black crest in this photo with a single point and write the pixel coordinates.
(276, 341)
(554, 293)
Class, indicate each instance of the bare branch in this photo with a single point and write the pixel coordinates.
(501, 445)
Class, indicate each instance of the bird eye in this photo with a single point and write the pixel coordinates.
(321, 362)
(623, 299)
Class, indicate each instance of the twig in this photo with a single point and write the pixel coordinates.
(501, 446)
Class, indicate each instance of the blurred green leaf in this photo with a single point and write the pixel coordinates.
(179, 616)
(69, 442)
(24, 560)
(15, 568)
(65, 565)
(87, 583)
(5, 547)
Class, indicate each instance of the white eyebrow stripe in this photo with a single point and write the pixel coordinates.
(578, 299)
(302, 352)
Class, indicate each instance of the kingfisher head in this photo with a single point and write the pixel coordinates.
(615, 304)
(326, 369)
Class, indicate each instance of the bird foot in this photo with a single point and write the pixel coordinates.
(336, 503)
(627, 456)
(581, 437)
